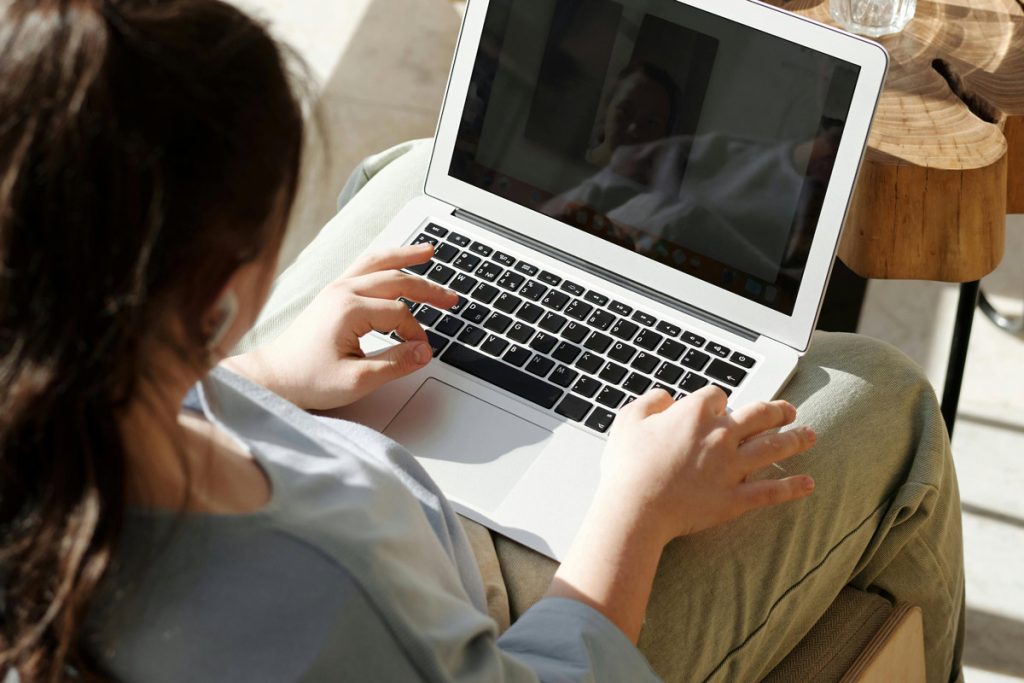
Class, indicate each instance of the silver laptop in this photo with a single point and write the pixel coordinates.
(627, 194)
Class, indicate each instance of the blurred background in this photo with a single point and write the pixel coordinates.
(378, 69)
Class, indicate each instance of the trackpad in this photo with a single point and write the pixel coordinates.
(475, 451)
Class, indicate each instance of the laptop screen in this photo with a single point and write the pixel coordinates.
(696, 141)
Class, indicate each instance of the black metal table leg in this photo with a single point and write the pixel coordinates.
(1011, 325)
(958, 352)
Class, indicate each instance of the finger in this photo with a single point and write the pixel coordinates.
(764, 449)
(386, 316)
(651, 402)
(390, 259)
(398, 361)
(766, 492)
(393, 284)
(710, 400)
(758, 417)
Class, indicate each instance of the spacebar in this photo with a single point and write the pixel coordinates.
(501, 375)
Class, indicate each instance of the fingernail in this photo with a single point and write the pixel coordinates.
(810, 434)
(808, 484)
(421, 352)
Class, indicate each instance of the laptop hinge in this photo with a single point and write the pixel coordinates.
(600, 272)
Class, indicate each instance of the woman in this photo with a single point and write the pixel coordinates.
(165, 522)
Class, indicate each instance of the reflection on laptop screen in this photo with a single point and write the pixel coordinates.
(693, 140)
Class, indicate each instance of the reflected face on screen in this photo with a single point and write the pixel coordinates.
(639, 112)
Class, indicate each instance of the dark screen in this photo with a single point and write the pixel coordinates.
(696, 141)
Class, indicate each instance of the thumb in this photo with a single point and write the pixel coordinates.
(391, 364)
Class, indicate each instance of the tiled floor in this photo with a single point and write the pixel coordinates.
(380, 68)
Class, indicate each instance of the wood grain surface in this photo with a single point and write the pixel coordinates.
(945, 162)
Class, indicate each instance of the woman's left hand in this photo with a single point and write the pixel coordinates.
(317, 362)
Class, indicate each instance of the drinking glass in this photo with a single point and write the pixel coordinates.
(872, 17)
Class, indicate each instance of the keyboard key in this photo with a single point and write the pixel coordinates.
(504, 259)
(693, 339)
(625, 330)
(459, 305)
(507, 302)
(620, 308)
(445, 252)
(530, 312)
(600, 420)
(517, 356)
(524, 267)
(566, 353)
(666, 388)
(669, 373)
(533, 290)
(725, 372)
(671, 349)
(488, 271)
(552, 322)
(458, 239)
(575, 332)
(449, 326)
(718, 350)
(485, 293)
(610, 397)
(742, 360)
(494, 345)
(727, 390)
(644, 318)
(638, 384)
(463, 284)
(595, 298)
(578, 310)
(613, 373)
(543, 343)
(669, 329)
(549, 278)
(411, 305)
(511, 281)
(472, 335)
(521, 333)
(573, 288)
(423, 237)
(466, 262)
(645, 362)
(586, 386)
(696, 360)
(648, 340)
(498, 322)
(475, 313)
(420, 268)
(540, 366)
(481, 249)
(602, 320)
(573, 408)
(437, 342)
(501, 375)
(436, 230)
(598, 342)
(555, 300)
(692, 382)
(621, 352)
(589, 363)
(562, 376)
(427, 315)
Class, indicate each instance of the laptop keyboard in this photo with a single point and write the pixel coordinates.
(556, 343)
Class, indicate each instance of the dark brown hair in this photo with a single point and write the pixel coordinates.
(144, 146)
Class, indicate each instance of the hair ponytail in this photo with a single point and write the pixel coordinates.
(129, 189)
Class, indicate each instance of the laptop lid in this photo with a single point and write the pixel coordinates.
(705, 149)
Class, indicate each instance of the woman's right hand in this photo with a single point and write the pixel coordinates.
(678, 467)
